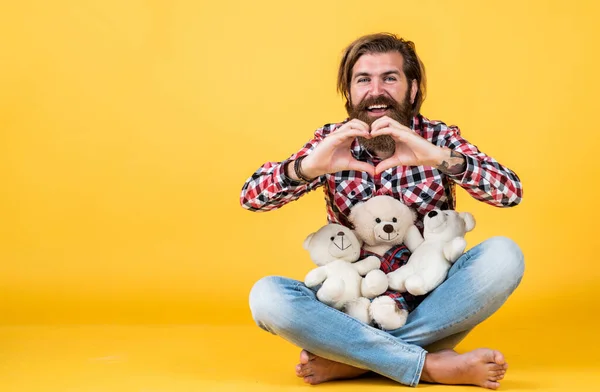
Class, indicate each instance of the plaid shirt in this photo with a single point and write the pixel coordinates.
(422, 188)
(393, 259)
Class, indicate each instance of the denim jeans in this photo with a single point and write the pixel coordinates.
(478, 283)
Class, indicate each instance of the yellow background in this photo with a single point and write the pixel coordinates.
(128, 128)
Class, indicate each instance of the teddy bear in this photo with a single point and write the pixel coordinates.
(382, 223)
(335, 249)
(443, 244)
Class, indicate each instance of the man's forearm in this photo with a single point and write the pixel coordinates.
(452, 163)
(269, 188)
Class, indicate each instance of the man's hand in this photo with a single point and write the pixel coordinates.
(333, 154)
(412, 149)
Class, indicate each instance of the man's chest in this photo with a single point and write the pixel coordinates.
(420, 188)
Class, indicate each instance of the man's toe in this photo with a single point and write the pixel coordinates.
(305, 357)
(499, 358)
(491, 385)
(305, 371)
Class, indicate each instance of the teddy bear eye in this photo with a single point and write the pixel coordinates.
(394, 220)
(377, 220)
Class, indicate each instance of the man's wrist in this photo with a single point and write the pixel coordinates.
(288, 172)
(451, 162)
(306, 169)
(299, 172)
(294, 170)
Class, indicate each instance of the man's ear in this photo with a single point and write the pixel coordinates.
(414, 88)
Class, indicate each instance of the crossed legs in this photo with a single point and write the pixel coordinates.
(338, 346)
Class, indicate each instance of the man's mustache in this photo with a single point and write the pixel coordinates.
(380, 100)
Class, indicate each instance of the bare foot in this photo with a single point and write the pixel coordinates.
(316, 370)
(483, 367)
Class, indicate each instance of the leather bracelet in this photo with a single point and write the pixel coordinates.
(285, 172)
(298, 170)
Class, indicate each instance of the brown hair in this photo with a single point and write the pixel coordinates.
(383, 43)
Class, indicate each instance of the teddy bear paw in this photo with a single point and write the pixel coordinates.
(386, 313)
(359, 309)
(397, 279)
(331, 292)
(415, 285)
(374, 284)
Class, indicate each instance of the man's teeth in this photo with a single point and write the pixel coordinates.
(377, 107)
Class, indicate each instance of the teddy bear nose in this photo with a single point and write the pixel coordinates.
(388, 228)
(432, 214)
(341, 233)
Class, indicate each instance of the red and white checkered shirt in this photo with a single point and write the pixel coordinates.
(422, 188)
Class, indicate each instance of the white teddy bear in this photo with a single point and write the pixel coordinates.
(335, 249)
(443, 244)
(383, 222)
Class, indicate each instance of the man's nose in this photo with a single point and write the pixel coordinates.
(376, 88)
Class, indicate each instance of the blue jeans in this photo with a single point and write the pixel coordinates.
(477, 285)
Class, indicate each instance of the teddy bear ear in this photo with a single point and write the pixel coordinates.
(469, 220)
(413, 214)
(354, 210)
(306, 243)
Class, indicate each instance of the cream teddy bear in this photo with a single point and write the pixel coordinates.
(383, 222)
(443, 244)
(335, 249)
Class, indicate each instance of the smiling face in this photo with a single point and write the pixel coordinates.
(379, 87)
(332, 242)
(394, 51)
(381, 220)
(340, 242)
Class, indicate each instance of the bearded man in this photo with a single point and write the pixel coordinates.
(386, 147)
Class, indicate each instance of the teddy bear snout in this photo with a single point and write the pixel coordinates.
(436, 220)
(388, 228)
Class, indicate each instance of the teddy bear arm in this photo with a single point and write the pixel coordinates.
(374, 284)
(333, 292)
(367, 265)
(454, 249)
(397, 278)
(425, 281)
(413, 238)
(315, 277)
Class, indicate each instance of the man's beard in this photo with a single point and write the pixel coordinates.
(399, 111)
